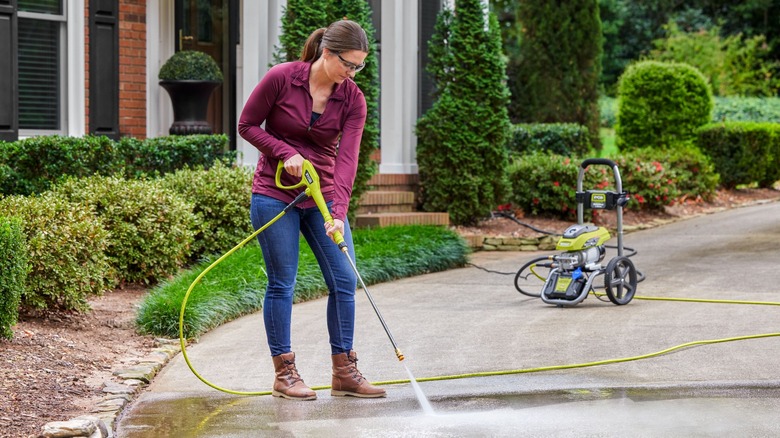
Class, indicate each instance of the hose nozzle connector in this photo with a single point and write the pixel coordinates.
(399, 354)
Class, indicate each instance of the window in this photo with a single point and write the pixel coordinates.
(42, 66)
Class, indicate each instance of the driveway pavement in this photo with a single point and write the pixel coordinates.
(470, 321)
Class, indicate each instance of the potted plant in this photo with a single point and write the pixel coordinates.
(190, 77)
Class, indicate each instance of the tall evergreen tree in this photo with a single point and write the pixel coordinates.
(300, 19)
(461, 151)
(560, 63)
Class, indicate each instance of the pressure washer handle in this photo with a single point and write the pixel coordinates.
(311, 180)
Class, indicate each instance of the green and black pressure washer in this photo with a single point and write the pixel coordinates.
(566, 278)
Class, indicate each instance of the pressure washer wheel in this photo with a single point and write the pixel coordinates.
(620, 279)
(531, 277)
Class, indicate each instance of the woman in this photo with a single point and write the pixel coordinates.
(312, 110)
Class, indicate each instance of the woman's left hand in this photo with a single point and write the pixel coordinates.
(337, 225)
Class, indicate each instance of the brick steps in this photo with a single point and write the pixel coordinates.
(391, 201)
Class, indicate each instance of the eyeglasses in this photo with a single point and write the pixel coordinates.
(351, 66)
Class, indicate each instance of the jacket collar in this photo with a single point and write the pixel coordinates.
(300, 77)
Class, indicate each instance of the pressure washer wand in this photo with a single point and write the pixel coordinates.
(345, 250)
(312, 182)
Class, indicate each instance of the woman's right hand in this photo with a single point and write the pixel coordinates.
(294, 165)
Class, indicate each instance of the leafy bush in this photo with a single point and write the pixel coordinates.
(33, 165)
(734, 65)
(661, 105)
(545, 184)
(742, 152)
(558, 138)
(187, 65)
(746, 109)
(66, 245)
(162, 155)
(461, 149)
(13, 265)
(151, 228)
(221, 197)
(558, 67)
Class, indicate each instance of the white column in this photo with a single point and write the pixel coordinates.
(76, 113)
(261, 22)
(399, 86)
(160, 45)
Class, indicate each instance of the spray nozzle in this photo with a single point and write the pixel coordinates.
(311, 180)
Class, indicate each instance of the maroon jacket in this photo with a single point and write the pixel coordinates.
(282, 100)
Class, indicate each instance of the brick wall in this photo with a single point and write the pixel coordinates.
(132, 68)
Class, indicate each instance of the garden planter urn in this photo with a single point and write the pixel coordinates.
(190, 99)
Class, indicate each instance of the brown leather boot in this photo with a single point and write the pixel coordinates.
(288, 383)
(347, 380)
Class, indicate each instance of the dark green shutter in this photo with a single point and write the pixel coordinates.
(9, 97)
(104, 68)
(426, 22)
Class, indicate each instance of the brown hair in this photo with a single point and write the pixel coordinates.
(340, 36)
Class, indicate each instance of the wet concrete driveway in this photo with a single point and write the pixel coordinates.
(469, 322)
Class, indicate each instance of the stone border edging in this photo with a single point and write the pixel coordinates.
(118, 394)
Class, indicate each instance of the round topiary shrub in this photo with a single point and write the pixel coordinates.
(151, 227)
(661, 105)
(66, 244)
(190, 65)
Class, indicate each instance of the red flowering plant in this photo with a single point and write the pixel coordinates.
(545, 184)
(651, 184)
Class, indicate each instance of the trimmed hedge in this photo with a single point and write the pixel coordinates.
(558, 138)
(743, 152)
(221, 197)
(66, 245)
(661, 105)
(162, 155)
(35, 164)
(13, 265)
(151, 228)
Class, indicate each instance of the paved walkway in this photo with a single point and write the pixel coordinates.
(472, 321)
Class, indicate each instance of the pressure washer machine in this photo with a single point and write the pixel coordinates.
(566, 278)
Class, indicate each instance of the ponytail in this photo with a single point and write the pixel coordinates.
(311, 49)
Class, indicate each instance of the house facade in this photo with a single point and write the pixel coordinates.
(90, 66)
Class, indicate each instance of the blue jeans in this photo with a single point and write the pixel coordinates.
(280, 245)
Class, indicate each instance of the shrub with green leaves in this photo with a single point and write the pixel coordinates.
(558, 138)
(461, 149)
(151, 227)
(221, 197)
(742, 152)
(661, 105)
(691, 171)
(66, 245)
(545, 184)
(746, 109)
(734, 66)
(13, 265)
(190, 65)
(34, 164)
(559, 64)
(161, 155)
